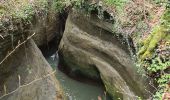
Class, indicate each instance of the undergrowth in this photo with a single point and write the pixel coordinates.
(154, 54)
(24, 11)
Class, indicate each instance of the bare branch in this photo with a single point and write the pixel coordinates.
(16, 48)
(25, 85)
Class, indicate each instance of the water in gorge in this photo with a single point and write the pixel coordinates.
(76, 90)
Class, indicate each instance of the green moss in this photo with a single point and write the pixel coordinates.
(151, 42)
(2, 10)
(160, 32)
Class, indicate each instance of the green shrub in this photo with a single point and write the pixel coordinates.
(26, 12)
(162, 81)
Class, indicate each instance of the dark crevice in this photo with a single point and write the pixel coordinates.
(52, 46)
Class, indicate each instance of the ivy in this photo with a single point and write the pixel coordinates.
(164, 80)
(157, 65)
(162, 86)
(158, 95)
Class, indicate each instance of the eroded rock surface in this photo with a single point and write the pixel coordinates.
(29, 63)
(90, 48)
(47, 27)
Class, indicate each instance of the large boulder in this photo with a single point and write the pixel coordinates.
(28, 76)
(88, 47)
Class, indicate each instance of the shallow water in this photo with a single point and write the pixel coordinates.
(76, 90)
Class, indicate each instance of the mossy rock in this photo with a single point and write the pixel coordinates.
(160, 32)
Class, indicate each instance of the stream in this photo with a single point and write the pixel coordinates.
(76, 90)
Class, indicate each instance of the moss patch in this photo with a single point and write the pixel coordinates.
(151, 42)
(160, 32)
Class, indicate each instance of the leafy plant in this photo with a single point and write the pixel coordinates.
(162, 86)
(163, 80)
(58, 5)
(158, 95)
(157, 65)
(25, 13)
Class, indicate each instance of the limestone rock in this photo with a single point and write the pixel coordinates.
(47, 27)
(90, 48)
(28, 63)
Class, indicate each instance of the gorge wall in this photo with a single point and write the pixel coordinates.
(88, 47)
(31, 66)
(24, 72)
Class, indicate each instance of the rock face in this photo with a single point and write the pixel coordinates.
(89, 47)
(46, 23)
(28, 63)
(47, 27)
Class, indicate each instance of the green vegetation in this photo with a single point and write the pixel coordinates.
(117, 3)
(154, 53)
(23, 9)
(24, 12)
(151, 42)
(157, 65)
(162, 81)
(58, 5)
(159, 33)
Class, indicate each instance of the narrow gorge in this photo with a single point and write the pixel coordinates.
(83, 50)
